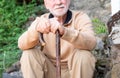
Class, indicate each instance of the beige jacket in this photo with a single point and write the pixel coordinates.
(78, 35)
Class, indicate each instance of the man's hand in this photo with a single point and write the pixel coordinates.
(43, 25)
(55, 25)
(49, 25)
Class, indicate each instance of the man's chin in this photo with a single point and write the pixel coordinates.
(59, 14)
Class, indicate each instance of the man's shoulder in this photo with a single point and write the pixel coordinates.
(46, 15)
(78, 12)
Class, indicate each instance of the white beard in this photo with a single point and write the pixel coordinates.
(58, 13)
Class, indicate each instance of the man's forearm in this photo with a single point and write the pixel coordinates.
(29, 39)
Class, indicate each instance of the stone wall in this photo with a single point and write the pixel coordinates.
(100, 9)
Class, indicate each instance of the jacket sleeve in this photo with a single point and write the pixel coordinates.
(30, 38)
(81, 34)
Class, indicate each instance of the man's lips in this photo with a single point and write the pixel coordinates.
(59, 7)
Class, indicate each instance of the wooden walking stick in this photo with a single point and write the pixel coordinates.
(58, 67)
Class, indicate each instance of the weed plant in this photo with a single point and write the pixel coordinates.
(99, 26)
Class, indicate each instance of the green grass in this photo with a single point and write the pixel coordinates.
(12, 19)
(99, 26)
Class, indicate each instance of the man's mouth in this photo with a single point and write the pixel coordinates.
(59, 7)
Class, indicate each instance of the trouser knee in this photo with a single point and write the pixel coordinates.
(83, 58)
(32, 55)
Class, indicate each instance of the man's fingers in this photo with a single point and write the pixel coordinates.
(53, 28)
(61, 30)
(54, 25)
(43, 25)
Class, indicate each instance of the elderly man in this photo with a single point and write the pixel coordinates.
(77, 40)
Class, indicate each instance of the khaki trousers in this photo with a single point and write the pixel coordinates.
(34, 64)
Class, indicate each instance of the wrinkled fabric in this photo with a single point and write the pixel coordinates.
(35, 64)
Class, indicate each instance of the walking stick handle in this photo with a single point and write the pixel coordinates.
(42, 41)
(58, 67)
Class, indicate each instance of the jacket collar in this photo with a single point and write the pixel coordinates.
(68, 18)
